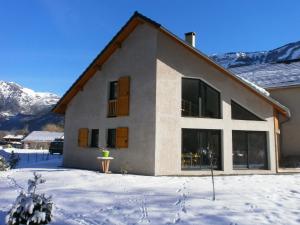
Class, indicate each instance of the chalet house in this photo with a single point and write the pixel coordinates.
(160, 106)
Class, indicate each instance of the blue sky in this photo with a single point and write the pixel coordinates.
(46, 44)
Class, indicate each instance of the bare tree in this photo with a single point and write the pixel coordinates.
(2, 134)
(212, 161)
(53, 127)
(23, 131)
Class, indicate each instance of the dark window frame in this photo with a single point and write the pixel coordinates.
(202, 93)
(219, 165)
(94, 138)
(242, 108)
(113, 90)
(111, 138)
(248, 167)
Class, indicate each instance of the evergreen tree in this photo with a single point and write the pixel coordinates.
(31, 208)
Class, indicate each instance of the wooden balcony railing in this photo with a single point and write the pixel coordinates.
(112, 108)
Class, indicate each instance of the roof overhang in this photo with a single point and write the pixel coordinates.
(116, 43)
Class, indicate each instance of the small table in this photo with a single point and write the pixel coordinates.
(105, 163)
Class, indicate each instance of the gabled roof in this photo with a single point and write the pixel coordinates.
(116, 42)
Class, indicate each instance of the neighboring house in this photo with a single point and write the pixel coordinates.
(10, 138)
(13, 140)
(282, 80)
(41, 139)
(159, 105)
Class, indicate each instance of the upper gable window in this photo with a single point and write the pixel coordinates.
(113, 90)
(238, 112)
(118, 102)
(199, 99)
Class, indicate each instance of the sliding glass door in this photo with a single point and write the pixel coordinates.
(195, 149)
(249, 150)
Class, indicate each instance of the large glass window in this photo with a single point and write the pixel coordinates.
(199, 99)
(195, 149)
(238, 112)
(249, 150)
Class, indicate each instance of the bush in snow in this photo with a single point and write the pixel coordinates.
(3, 164)
(31, 208)
(13, 160)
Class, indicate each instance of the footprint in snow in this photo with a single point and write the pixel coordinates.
(294, 192)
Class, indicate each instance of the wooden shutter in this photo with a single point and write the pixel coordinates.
(83, 137)
(123, 96)
(122, 137)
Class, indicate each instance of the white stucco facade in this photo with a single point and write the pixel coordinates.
(290, 134)
(156, 65)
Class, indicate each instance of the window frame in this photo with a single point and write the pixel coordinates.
(266, 144)
(113, 84)
(94, 143)
(202, 90)
(233, 102)
(113, 138)
(220, 150)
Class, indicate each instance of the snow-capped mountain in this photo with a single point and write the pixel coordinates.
(15, 99)
(20, 106)
(287, 52)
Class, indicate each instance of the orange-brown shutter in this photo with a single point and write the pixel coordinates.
(122, 137)
(83, 137)
(123, 96)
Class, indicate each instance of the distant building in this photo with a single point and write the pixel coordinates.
(10, 138)
(41, 139)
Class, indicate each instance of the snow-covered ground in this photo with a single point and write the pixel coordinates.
(90, 198)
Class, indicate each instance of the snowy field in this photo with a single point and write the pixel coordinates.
(91, 198)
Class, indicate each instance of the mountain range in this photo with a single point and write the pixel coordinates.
(288, 52)
(21, 107)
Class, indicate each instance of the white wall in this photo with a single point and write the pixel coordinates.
(88, 109)
(171, 68)
(290, 130)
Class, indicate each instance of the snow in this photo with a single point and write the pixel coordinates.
(11, 136)
(42, 136)
(256, 87)
(26, 99)
(84, 197)
(270, 75)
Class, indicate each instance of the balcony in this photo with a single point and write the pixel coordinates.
(112, 108)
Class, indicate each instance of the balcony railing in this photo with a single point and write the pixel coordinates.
(112, 108)
(189, 108)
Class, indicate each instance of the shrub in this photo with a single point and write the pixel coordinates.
(31, 208)
(3, 164)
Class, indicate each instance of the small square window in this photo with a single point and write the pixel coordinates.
(94, 138)
(111, 138)
(113, 90)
